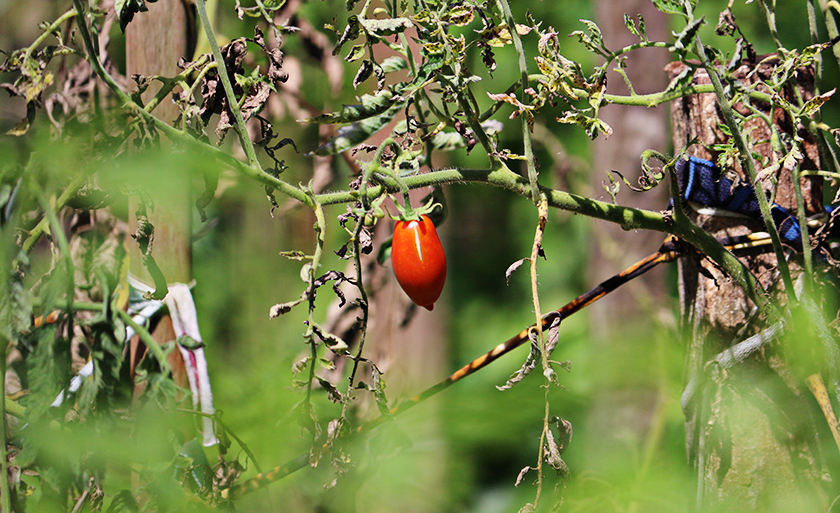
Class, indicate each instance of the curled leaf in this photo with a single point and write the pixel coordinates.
(349, 136)
(529, 365)
(332, 392)
(521, 475)
(386, 27)
(283, 308)
(295, 255)
(513, 267)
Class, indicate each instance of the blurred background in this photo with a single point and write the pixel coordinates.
(463, 449)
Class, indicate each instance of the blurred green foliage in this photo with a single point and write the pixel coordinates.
(460, 451)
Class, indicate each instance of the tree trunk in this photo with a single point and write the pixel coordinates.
(751, 430)
(622, 413)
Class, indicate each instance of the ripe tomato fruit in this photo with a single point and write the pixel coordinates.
(419, 261)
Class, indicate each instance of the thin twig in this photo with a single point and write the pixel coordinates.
(526, 125)
(536, 249)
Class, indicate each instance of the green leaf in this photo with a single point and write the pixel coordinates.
(349, 136)
(372, 105)
(594, 33)
(631, 26)
(686, 37)
(814, 104)
(392, 64)
(459, 16)
(365, 71)
(672, 6)
(356, 53)
(387, 27)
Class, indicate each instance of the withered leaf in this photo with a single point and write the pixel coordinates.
(283, 308)
(521, 475)
(529, 365)
(275, 58)
(332, 392)
(513, 267)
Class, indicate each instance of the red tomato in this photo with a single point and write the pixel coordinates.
(419, 261)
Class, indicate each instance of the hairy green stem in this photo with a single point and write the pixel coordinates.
(770, 14)
(47, 32)
(147, 339)
(181, 78)
(526, 126)
(542, 215)
(41, 228)
(61, 240)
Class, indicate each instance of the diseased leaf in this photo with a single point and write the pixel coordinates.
(275, 58)
(295, 255)
(379, 390)
(386, 27)
(370, 106)
(497, 35)
(356, 53)
(459, 16)
(529, 365)
(814, 104)
(552, 332)
(326, 364)
(126, 9)
(686, 38)
(333, 342)
(301, 365)
(351, 33)
(332, 393)
(283, 308)
(349, 136)
(552, 455)
(592, 126)
(365, 71)
(22, 127)
(672, 6)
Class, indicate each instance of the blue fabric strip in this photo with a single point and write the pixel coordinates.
(701, 181)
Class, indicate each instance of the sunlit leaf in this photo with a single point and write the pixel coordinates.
(352, 135)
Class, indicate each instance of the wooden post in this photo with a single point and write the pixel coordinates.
(155, 41)
(751, 432)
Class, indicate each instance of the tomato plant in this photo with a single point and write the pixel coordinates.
(419, 260)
